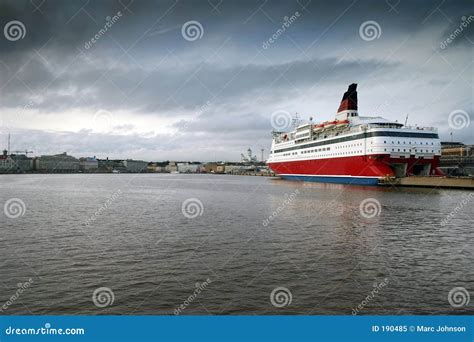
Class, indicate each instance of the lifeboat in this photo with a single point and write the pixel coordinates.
(342, 123)
(318, 128)
(330, 124)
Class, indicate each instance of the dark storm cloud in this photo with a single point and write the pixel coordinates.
(171, 88)
(66, 25)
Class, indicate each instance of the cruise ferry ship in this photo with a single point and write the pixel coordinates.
(355, 149)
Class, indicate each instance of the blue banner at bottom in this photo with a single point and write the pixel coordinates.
(237, 328)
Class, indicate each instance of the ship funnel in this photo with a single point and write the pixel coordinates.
(349, 100)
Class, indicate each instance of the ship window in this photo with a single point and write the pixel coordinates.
(384, 141)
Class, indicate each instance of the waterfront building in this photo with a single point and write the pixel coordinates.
(22, 163)
(189, 167)
(220, 168)
(210, 167)
(15, 163)
(56, 163)
(135, 166)
(457, 159)
(171, 167)
(122, 166)
(152, 167)
(159, 167)
(6, 162)
(88, 164)
(235, 168)
(111, 165)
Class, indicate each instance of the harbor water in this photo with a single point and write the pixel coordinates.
(215, 244)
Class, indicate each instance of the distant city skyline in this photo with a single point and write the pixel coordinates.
(190, 80)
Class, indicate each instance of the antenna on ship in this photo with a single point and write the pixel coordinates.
(295, 121)
(406, 120)
(8, 146)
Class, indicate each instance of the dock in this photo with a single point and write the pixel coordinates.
(432, 182)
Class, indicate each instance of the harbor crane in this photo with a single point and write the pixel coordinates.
(25, 152)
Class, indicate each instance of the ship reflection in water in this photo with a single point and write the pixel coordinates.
(216, 244)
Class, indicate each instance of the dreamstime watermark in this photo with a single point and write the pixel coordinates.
(458, 297)
(110, 21)
(192, 208)
(370, 208)
(287, 21)
(370, 30)
(21, 288)
(288, 199)
(46, 330)
(203, 108)
(28, 106)
(458, 208)
(281, 297)
(103, 296)
(14, 30)
(281, 120)
(103, 207)
(370, 297)
(458, 119)
(199, 288)
(192, 30)
(14, 208)
(465, 21)
(103, 119)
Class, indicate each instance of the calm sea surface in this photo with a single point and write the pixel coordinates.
(236, 240)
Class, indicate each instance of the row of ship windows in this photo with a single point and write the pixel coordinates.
(305, 152)
(404, 150)
(398, 142)
(325, 155)
(316, 150)
(309, 151)
(350, 152)
(349, 145)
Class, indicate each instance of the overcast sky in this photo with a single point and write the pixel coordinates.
(147, 88)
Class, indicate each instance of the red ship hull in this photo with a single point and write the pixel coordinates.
(365, 170)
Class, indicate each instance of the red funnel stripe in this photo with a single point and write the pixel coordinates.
(349, 100)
